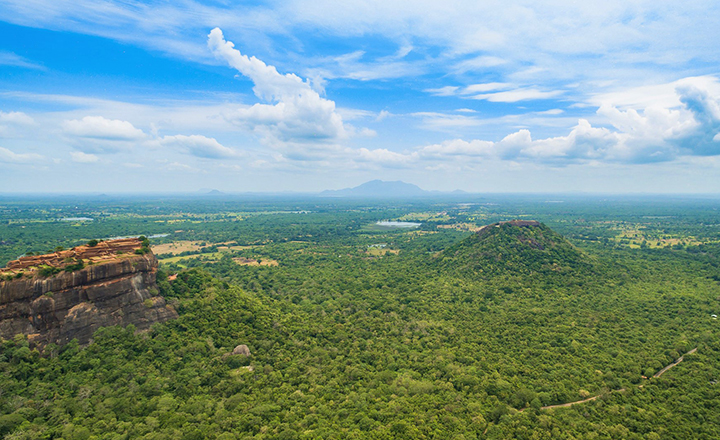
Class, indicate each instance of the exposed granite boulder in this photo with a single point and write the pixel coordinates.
(242, 349)
(117, 290)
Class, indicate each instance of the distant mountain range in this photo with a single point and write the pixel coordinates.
(380, 188)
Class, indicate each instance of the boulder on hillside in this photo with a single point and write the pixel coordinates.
(242, 349)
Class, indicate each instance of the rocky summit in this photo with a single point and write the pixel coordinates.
(66, 295)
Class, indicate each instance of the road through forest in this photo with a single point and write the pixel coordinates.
(658, 374)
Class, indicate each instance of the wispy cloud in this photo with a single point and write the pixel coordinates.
(557, 40)
(199, 146)
(524, 94)
(15, 60)
(443, 91)
(496, 92)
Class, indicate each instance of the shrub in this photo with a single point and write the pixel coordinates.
(79, 264)
(92, 243)
(48, 271)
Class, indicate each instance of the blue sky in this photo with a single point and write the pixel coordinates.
(512, 96)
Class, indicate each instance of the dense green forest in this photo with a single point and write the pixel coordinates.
(365, 331)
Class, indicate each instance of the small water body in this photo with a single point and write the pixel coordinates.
(77, 219)
(393, 224)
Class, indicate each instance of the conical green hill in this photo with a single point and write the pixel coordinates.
(516, 246)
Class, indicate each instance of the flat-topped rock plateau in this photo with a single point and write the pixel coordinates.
(66, 295)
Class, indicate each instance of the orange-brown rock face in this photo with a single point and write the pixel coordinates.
(117, 290)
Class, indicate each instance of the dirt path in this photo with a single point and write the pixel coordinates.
(563, 405)
(658, 374)
(680, 359)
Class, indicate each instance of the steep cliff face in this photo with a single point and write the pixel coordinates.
(72, 305)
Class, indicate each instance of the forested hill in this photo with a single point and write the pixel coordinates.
(520, 246)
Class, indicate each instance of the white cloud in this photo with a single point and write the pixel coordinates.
(10, 156)
(80, 157)
(16, 118)
(452, 122)
(177, 166)
(99, 135)
(297, 113)
(351, 65)
(526, 94)
(655, 134)
(459, 147)
(382, 115)
(501, 92)
(485, 87)
(551, 112)
(385, 157)
(655, 95)
(443, 91)
(199, 146)
(480, 63)
(15, 60)
(544, 41)
(97, 127)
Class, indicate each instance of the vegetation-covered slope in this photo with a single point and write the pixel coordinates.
(520, 246)
(349, 343)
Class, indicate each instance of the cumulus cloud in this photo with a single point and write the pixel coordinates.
(99, 135)
(97, 127)
(295, 113)
(9, 156)
(80, 157)
(654, 134)
(16, 118)
(10, 122)
(199, 146)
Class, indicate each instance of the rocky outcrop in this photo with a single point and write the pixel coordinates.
(117, 289)
(519, 223)
(242, 350)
